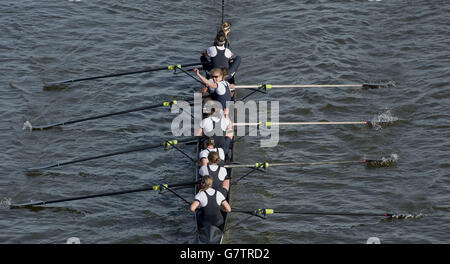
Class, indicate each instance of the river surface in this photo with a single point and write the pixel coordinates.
(280, 42)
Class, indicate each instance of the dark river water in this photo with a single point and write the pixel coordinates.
(280, 42)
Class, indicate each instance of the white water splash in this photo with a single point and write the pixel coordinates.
(383, 119)
(27, 125)
(6, 202)
(407, 216)
(393, 158)
(73, 240)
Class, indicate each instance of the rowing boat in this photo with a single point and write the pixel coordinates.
(213, 234)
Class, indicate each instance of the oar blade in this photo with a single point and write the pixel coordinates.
(383, 162)
(56, 86)
(28, 126)
(379, 124)
(404, 216)
(389, 84)
(379, 163)
(42, 167)
(26, 205)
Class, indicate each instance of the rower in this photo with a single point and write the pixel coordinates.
(219, 89)
(225, 30)
(218, 125)
(217, 172)
(220, 57)
(210, 203)
(209, 146)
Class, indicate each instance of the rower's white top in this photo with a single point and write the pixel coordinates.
(222, 173)
(201, 197)
(212, 52)
(221, 87)
(204, 153)
(207, 124)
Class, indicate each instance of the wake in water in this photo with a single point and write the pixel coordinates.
(382, 120)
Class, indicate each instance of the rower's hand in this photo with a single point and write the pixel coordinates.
(196, 71)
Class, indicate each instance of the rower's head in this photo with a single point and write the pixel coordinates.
(212, 108)
(214, 158)
(209, 143)
(220, 40)
(207, 182)
(219, 74)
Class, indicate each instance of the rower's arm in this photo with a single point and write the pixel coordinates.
(199, 132)
(226, 184)
(194, 205)
(226, 206)
(204, 80)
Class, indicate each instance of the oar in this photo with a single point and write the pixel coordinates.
(265, 165)
(267, 86)
(270, 124)
(223, 8)
(138, 148)
(170, 67)
(27, 124)
(154, 188)
(264, 212)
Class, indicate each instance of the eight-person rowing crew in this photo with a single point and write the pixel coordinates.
(217, 127)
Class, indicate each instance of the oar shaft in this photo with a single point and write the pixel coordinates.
(302, 123)
(83, 197)
(273, 211)
(223, 10)
(100, 195)
(314, 163)
(330, 213)
(299, 86)
(96, 117)
(294, 164)
(319, 123)
(139, 148)
(120, 74)
(112, 75)
(383, 163)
